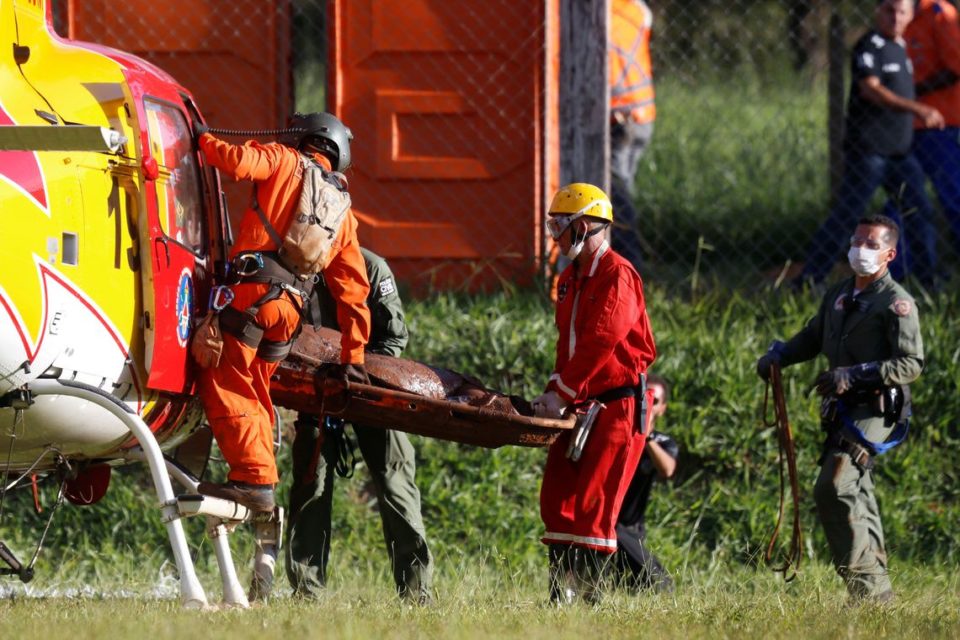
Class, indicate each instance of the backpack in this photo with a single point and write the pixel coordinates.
(323, 206)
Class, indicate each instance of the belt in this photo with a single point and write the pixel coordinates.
(858, 453)
(619, 393)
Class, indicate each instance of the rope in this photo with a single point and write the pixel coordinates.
(788, 458)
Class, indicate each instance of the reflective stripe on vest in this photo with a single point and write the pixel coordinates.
(631, 73)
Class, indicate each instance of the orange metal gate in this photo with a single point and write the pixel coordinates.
(446, 102)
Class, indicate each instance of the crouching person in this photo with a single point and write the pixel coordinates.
(604, 347)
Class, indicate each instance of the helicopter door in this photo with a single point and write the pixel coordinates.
(175, 234)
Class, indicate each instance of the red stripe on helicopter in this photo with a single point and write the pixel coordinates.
(25, 339)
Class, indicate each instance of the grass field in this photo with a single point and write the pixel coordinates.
(708, 527)
(716, 603)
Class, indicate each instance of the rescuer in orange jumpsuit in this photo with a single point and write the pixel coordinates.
(235, 394)
(604, 347)
(632, 114)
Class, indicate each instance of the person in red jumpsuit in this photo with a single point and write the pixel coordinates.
(604, 347)
(236, 393)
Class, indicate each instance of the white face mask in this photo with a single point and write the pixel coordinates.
(863, 261)
(574, 250)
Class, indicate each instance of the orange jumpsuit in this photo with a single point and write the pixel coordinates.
(236, 394)
(933, 43)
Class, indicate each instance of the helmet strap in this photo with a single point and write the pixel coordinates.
(576, 245)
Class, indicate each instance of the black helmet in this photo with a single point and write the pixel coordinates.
(324, 132)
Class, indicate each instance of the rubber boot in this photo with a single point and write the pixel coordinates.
(590, 570)
(562, 574)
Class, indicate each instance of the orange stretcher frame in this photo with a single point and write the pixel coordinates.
(293, 388)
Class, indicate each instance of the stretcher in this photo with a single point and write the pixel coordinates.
(408, 396)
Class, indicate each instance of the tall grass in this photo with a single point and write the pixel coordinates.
(481, 506)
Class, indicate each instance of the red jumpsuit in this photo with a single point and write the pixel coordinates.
(236, 394)
(605, 342)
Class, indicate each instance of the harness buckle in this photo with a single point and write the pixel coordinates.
(291, 289)
(220, 297)
(248, 264)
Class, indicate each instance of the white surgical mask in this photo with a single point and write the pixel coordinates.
(864, 261)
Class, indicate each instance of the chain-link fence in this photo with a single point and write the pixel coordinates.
(453, 105)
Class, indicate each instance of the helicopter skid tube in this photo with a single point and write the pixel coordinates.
(191, 592)
(233, 594)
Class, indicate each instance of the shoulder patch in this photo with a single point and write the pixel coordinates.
(838, 303)
(901, 307)
(387, 287)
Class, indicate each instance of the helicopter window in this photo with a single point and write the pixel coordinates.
(179, 190)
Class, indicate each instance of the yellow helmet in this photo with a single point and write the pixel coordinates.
(574, 201)
(582, 199)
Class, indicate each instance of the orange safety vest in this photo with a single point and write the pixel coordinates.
(631, 71)
(933, 43)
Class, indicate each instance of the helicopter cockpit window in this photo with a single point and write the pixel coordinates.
(179, 190)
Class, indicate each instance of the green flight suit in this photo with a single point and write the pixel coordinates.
(881, 326)
(389, 456)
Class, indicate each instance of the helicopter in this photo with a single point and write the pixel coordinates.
(114, 228)
(116, 233)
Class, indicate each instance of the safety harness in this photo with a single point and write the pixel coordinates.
(243, 324)
(893, 401)
(270, 267)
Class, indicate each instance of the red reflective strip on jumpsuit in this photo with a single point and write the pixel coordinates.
(605, 342)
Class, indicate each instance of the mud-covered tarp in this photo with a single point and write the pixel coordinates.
(407, 396)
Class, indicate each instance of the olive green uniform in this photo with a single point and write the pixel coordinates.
(388, 455)
(880, 325)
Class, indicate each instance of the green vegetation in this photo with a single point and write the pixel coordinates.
(744, 166)
(481, 506)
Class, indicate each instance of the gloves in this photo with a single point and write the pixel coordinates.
(199, 129)
(771, 357)
(352, 373)
(549, 405)
(842, 379)
(834, 382)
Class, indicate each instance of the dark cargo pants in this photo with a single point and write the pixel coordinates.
(848, 510)
(389, 456)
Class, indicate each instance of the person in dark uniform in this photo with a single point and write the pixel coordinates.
(869, 330)
(879, 132)
(388, 455)
(635, 565)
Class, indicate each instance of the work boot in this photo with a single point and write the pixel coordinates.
(256, 497)
(589, 572)
(562, 581)
(887, 598)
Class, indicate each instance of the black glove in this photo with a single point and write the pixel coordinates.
(842, 379)
(353, 373)
(770, 358)
(199, 129)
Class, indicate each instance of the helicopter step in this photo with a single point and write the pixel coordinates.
(222, 517)
(194, 504)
